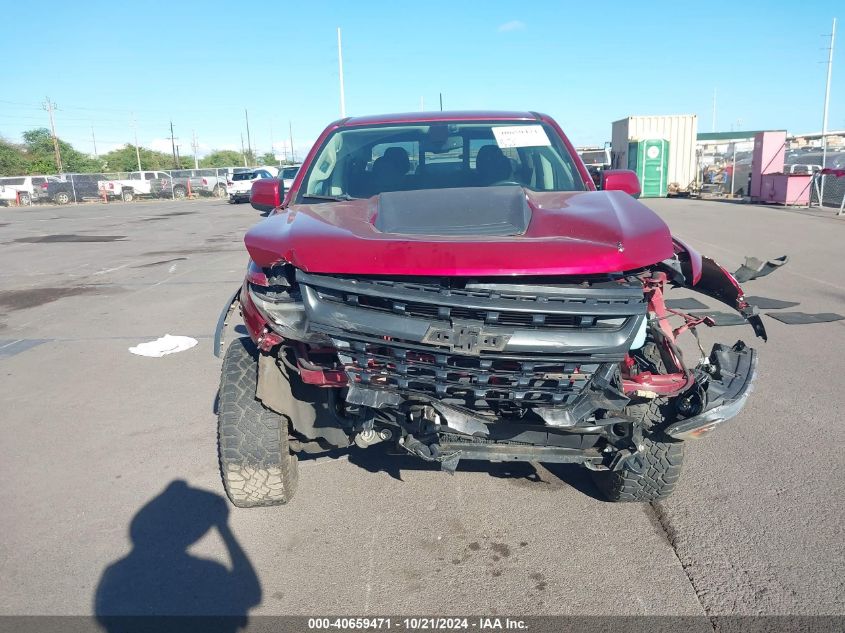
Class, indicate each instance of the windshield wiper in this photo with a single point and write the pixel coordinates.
(341, 198)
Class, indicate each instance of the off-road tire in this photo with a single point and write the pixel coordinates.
(654, 471)
(256, 464)
(62, 197)
(180, 193)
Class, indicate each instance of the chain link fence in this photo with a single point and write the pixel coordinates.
(108, 187)
(828, 190)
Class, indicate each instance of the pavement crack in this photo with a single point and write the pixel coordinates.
(662, 523)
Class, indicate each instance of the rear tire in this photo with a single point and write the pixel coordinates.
(653, 472)
(62, 197)
(24, 199)
(179, 193)
(218, 192)
(128, 195)
(256, 464)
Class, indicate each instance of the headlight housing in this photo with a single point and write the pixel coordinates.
(285, 313)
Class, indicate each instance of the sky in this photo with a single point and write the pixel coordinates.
(107, 65)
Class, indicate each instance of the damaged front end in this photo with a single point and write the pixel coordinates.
(502, 369)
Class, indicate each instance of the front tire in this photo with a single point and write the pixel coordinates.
(256, 464)
(128, 195)
(651, 473)
(179, 193)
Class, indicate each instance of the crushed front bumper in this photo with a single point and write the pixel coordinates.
(727, 391)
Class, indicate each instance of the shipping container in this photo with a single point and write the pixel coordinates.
(649, 159)
(680, 130)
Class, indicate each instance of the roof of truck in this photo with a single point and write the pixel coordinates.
(454, 115)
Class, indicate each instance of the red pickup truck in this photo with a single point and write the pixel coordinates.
(453, 285)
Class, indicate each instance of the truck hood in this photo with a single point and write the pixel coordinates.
(513, 232)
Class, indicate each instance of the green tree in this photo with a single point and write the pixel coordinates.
(267, 158)
(12, 159)
(38, 145)
(125, 159)
(222, 158)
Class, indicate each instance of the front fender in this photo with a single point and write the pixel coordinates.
(706, 276)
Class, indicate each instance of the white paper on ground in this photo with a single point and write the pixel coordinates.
(520, 136)
(167, 344)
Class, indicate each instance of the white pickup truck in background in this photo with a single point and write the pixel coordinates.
(135, 185)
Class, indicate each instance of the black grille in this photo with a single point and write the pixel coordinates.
(560, 307)
(479, 345)
(469, 381)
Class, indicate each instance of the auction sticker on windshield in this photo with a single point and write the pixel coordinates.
(520, 136)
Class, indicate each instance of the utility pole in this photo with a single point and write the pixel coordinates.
(273, 144)
(441, 102)
(713, 124)
(340, 68)
(826, 107)
(292, 155)
(173, 145)
(94, 139)
(194, 147)
(243, 153)
(248, 139)
(135, 129)
(50, 106)
(422, 104)
(178, 158)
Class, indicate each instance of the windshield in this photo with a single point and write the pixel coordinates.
(289, 172)
(360, 162)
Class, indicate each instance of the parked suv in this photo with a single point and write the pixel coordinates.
(240, 184)
(30, 187)
(487, 304)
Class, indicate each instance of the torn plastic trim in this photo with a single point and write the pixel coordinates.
(599, 393)
(736, 369)
(223, 322)
(720, 284)
(753, 268)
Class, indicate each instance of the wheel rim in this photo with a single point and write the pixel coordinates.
(63, 198)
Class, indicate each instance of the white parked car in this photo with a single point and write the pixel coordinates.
(32, 188)
(8, 195)
(239, 185)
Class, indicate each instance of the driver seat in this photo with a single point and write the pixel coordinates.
(491, 165)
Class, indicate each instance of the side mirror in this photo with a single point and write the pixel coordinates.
(621, 180)
(267, 194)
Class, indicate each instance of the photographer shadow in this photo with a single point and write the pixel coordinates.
(160, 586)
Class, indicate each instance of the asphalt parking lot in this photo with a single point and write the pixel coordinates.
(92, 433)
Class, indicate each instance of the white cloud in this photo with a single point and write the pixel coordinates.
(513, 25)
(160, 145)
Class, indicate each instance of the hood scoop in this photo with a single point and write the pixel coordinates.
(464, 211)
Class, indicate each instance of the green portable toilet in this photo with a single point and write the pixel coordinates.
(650, 160)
